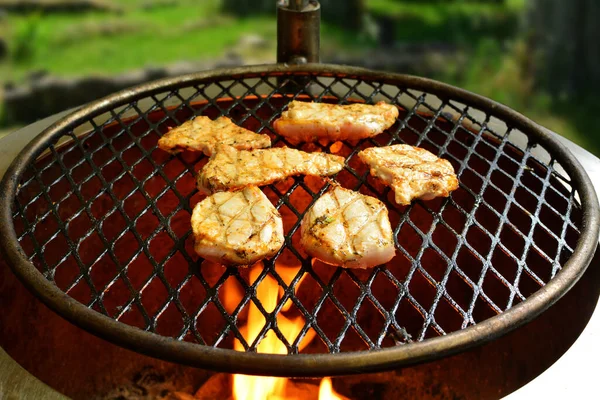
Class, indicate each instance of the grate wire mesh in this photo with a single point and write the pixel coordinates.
(104, 215)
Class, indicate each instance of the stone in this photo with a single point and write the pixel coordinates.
(44, 95)
(36, 75)
(253, 41)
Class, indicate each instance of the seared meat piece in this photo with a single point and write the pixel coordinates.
(311, 122)
(230, 169)
(237, 228)
(203, 134)
(412, 172)
(348, 229)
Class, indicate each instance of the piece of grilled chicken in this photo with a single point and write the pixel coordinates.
(412, 172)
(230, 169)
(203, 134)
(348, 229)
(237, 228)
(311, 122)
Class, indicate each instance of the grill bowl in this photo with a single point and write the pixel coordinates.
(96, 224)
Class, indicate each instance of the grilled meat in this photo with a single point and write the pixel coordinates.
(237, 228)
(203, 134)
(230, 169)
(311, 122)
(412, 172)
(348, 229)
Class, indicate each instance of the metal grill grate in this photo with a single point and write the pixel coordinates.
(104, 216)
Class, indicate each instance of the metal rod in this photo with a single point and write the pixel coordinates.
(298, 5)
(298, 31)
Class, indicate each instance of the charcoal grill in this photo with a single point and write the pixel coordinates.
(95, 222)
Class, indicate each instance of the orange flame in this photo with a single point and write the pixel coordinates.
(288, 274)
(268, 292)
(326, 391)
(232, 295)
(260, 388)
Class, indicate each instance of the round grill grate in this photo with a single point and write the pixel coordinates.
(97, 220)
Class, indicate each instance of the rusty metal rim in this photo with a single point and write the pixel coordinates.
(304, 364)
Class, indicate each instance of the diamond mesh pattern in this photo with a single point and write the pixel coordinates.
(104, 215)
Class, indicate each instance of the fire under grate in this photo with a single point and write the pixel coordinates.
(102, 215)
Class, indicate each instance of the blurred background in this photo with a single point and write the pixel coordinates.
(540, 57)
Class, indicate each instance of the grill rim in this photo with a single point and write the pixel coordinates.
(308, 365)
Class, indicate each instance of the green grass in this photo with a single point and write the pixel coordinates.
(436, 12)
(458, 22)
(110, 43)
(90, 43)
(499, 75)
(112, 54)
(106, 43)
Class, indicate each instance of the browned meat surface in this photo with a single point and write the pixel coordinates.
(412, 172)
(230, 169)
(311, 122)
(203, 134)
